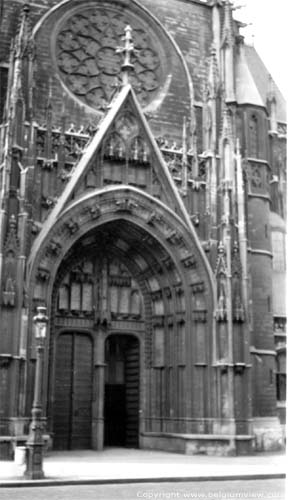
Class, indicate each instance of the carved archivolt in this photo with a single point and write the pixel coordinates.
(89, 63)
(82, 216)
(137, 279)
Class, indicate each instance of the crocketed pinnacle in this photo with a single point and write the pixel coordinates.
(127, 51)
(24, 32)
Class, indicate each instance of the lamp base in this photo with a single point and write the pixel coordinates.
(34, 474)
(34, 462)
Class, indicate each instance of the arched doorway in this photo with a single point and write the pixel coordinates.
(121, 396)
(72, 406)
(97, 290)
(120, 269)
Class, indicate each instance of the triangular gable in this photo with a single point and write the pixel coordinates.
(73, 192)
(160, 179)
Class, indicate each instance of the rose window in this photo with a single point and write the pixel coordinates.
(89, 65)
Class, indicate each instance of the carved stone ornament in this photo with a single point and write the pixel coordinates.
(168, 263)
(54, 248)
(11, 251)
(256, 178)
(72, 226)
(236, 268)
(49, 165)
(174, 237)
(43, 274)
(48, 202)
(282, 128)
(189, 261)
(94, 211)
(154, 218)
(125, 205)
(221, 311)
(238, 309)
(8, 296)
(221, 267)
(89, 63)
(198, 287)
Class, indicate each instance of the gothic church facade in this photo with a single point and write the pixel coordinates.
(142, 203)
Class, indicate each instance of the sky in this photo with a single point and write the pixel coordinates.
(268, 34)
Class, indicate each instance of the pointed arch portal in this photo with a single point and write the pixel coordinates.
(121, 273)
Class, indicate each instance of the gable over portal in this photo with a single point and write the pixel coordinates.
(124, 152)
(84, 67)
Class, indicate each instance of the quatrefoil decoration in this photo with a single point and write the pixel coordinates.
(256, 178)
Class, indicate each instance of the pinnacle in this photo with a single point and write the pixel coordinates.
(127, 51)
(24, 30)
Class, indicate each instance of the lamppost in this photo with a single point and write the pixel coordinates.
(34, 444)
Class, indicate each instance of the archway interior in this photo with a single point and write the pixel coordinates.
(117, 271)
(122, 391)
(115, 278)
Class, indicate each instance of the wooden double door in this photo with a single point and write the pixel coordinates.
(73, 391)
(72, 406)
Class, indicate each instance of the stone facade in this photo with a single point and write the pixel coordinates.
(140, 165)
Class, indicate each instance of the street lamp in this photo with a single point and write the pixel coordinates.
(34, 444)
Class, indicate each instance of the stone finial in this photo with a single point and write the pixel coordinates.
(272, 105)
(228, 37)
(213, 78)
(24, 32)
(127, 51)
(271, 94)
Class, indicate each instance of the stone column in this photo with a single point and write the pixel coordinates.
(98, 392)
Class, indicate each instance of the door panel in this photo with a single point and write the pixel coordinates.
(82, 389)
(73, 390)
(63, 388)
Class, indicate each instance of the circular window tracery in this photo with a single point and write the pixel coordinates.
(87, 60)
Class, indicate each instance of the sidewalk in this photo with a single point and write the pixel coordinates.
(117, 465)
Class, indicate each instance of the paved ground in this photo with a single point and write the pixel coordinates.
(123, 465)
(215, 490)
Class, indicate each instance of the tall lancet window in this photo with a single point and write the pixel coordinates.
(253, 136)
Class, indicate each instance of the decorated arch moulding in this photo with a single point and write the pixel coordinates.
(83, 47)
(79, 219)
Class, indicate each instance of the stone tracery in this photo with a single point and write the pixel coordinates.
(89, 63)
